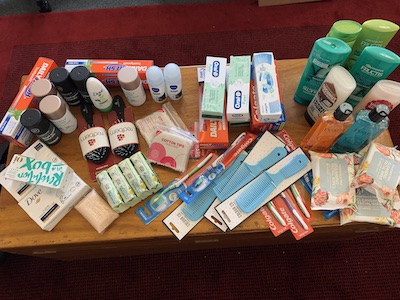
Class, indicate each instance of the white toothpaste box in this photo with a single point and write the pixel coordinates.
(238, 90)
(46, 206)
(213, 102)
(267, 88)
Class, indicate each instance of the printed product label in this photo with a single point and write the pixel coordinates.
(135, 97)
(335, 176)
(323, 101)
(122, 134)
(67, 123)
(92, 139)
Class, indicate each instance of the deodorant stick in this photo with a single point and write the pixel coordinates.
(131, 85)
(173, 81)
(156, 82)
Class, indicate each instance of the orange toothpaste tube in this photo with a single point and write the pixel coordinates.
(106, 69)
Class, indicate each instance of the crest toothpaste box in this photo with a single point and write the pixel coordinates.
(257, 126)
(267, 88)
(10, 127)
(106, 69)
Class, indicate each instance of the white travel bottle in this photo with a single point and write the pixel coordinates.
(156, 82)
(56, 110)
(99, 94)
(173, 81)
(131, 85)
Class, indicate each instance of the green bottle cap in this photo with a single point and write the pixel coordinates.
(346, 30)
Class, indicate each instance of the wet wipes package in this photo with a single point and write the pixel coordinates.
(332, 177)
(380, 171)
(38, 172)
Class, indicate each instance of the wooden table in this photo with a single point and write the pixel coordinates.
(74, 237)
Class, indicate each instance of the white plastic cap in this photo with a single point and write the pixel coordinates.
(172, 73)
(154, 76)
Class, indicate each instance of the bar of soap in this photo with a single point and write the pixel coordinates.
(96, 211)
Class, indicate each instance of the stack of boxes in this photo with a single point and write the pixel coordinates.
(244, 93)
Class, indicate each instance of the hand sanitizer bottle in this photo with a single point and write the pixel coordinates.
(368, 124)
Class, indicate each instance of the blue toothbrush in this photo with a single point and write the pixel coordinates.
(197, 208)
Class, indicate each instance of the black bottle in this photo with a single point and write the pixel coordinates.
(65, 86)
(33, 120)
(79, 75)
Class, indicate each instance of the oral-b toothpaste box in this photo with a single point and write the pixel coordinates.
(10, 126)
(213, 102)
(267, 88)
(106, 70)
(238, 91)
(211, 134)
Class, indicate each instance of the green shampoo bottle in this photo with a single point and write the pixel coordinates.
(375, 32)
(375, 63)
(326, 53)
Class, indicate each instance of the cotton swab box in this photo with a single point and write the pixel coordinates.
(170, 149)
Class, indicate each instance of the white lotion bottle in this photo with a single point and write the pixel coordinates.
(334, 90)
(173, 81)
(156, 82)
(56, 110)
(99, 94)
(385, 91)
(131, 85)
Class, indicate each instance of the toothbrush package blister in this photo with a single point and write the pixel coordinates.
(186, 216)
(169, 194)
(243, 141)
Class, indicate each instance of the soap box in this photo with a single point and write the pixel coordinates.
(46, 206)
(238, 95)
(213, 103)
(106, 69)
(267, 89)
(38, 172)
(10, 127)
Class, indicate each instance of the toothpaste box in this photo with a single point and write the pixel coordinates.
(39, 172)
(267, 88)
(10, 127)
(106, 69)
(256, 126)
(46, 206)
(211, 134)
(213, 103)
(238, 94)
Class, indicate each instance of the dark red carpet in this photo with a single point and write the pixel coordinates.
(366, 268)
